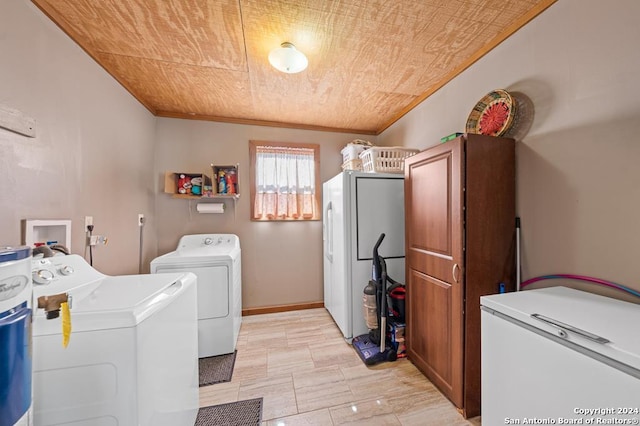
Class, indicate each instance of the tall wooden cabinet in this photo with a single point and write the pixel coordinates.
(460, 237)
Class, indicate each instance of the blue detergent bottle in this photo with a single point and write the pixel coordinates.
(222, 183)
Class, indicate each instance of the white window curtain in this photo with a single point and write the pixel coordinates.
(285, 183)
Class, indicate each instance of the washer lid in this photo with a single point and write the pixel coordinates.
(117, 302)
(570, 313)
(9, 254)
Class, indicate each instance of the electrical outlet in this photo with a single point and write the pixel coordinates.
(140, 219)
(95, 240)
(88, 221)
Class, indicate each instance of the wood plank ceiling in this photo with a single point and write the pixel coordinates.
(370, 61)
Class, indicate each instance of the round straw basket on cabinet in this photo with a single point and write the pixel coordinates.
(493, 115)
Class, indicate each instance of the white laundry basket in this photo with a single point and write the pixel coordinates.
(385, 159)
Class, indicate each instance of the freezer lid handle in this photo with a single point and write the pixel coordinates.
(566, 327)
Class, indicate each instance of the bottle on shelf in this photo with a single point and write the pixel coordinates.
(222, 183)
(231, 184)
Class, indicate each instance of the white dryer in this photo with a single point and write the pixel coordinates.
(131, 358)
(215, 260)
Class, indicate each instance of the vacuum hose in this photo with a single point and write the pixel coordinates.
(377, 269)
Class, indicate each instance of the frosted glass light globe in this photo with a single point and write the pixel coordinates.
(287, 58)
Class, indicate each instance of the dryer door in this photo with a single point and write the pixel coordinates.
(213, 287)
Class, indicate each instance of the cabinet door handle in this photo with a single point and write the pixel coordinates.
(453, 272)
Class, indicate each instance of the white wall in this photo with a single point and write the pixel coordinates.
(281, 261)
(94, 147)
(578, 180)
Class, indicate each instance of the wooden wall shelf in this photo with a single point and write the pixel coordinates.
(222, 184)
(194, 185)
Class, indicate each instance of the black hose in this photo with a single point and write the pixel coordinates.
(60, 248)
(45, 250)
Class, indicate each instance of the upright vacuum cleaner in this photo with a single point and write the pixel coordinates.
(375, 346)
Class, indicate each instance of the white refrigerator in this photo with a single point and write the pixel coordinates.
(357, 208)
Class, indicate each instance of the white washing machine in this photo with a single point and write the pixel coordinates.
(215, 259)
(132, 354)
(15, 336)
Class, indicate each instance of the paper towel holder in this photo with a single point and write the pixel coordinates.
(210, 207)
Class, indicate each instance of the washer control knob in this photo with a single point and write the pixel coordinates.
(43, 276)
(66, 270)
(208, 241)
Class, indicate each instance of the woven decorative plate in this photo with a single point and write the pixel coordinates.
(493, 114)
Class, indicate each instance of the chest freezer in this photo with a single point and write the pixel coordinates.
(559, 356)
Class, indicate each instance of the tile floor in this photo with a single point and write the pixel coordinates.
(308, 375)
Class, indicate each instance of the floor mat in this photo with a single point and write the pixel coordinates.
(216, 369)
(241, 413)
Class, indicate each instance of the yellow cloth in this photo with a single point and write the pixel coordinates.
(66, 323)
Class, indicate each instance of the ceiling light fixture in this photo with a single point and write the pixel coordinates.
(287, 58)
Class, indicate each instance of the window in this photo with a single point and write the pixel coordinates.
(285, 181)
